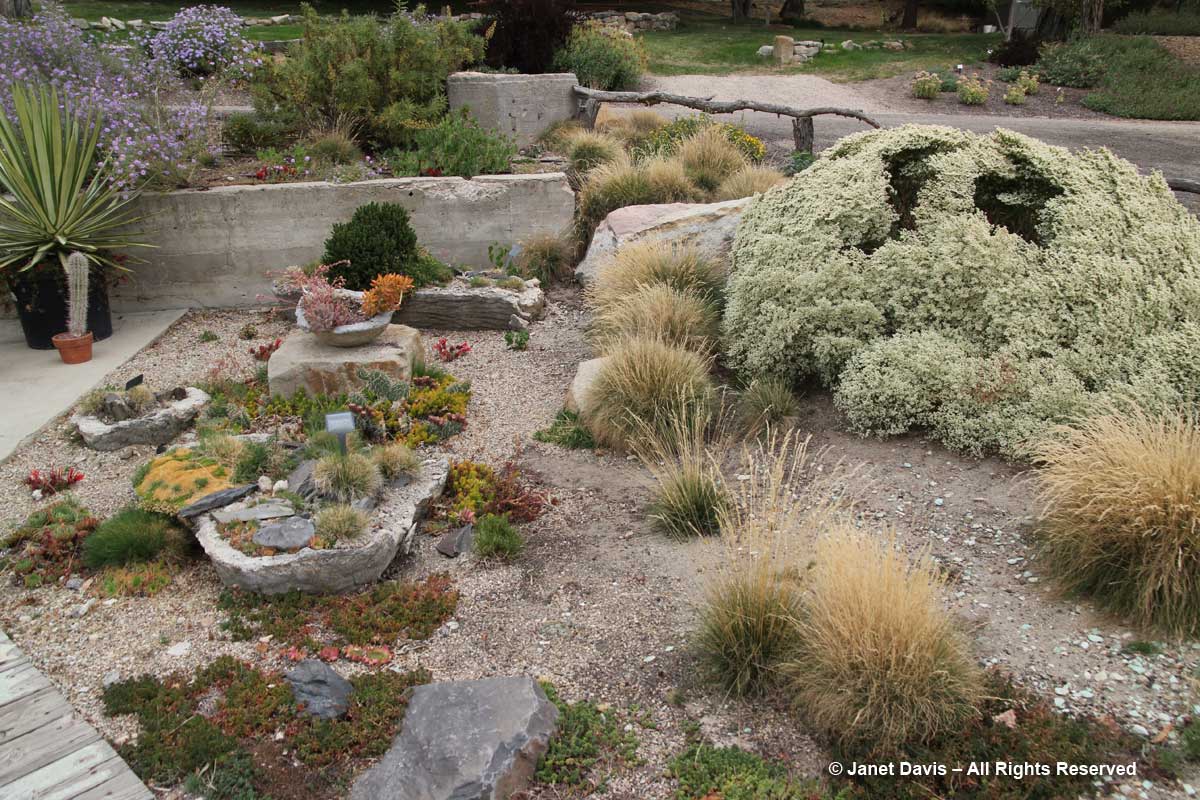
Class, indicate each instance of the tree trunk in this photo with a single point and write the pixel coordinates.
(1092, 16)
(909, 21)
(15, 9)
(792, 9)
(740, 8)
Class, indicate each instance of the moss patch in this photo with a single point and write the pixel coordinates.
(178, 478)
(215, 730)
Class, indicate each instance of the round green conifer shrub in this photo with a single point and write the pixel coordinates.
(983, 288)
(378, 240)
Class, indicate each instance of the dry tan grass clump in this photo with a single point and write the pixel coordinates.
(766, 403)
(709, 158)
(749, 180)
(657, 311)
(681, 268)
(691, 497)
(1121, 521)
(547, 257)
(621, 183)
(587, 150)
(751, 600)
(879, 661)
(644, 383)
(668, 179)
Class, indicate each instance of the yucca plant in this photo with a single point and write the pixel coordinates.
(62, 200)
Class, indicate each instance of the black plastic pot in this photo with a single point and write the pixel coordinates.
(42, 304)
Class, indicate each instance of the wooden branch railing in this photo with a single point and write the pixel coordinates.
(802, 118)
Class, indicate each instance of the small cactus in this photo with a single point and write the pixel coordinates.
(77, 293)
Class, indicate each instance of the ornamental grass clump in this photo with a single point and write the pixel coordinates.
(346, 477)
(657, 311)
(878, 661)
(678, 267)
(753, 596)
(691, 497)
(982, 288)
(495, 537)
(709, 158)
(395, 460)
(130, 536)
(340, 522)
(766, 403)
(644, 383)
(621, 183)
(747, 181)
(1121, 516)
(587, 150)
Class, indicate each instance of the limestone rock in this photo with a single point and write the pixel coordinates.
(471, 308)
(157, 427)
(319, 689)
(336, 569)
(291, 533)
(766, 51)
(784, 50)
(710, 227)
(302, 362)
(464, 740)
(585, 375)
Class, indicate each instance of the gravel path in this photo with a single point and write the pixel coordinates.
(802, 91)
(597, 602)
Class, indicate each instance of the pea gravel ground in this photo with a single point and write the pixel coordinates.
(597, 602)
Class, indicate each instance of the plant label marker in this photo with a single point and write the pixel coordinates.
(340, 425)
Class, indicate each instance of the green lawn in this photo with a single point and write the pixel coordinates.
(711, 47)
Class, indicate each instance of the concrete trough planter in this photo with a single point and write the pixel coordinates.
(463, 307)
(158, 427)
(342, 568)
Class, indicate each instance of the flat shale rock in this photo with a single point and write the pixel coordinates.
(464, 740)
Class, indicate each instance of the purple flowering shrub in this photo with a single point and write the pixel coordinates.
(205, 40)
(143, 137)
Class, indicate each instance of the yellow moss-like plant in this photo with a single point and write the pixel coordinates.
(175, 479)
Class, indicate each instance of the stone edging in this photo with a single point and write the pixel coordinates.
(337, 569)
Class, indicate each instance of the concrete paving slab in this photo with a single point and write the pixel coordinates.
(36, 387)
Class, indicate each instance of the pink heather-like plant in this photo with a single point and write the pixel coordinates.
(324, 307)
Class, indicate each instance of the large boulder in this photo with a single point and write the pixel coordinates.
(709, 227)
(302, 362)
(158, 427)
(581, 384)
(348, 565)
(464, 740)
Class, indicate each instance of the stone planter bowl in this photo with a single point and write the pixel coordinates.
(359, 333)
(338, 569)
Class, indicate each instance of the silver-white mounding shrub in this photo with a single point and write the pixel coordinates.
(980, 287)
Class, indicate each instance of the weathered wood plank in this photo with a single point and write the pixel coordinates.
(30, 713)
(47, 744)
(70, 776)
(10, 655)
(125, 786)
(20, 682)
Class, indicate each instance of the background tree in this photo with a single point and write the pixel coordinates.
(14, 9)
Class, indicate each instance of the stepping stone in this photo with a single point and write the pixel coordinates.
(215, 500)
(290, 534)
(272, 509)
(464, 740)
(319, 688)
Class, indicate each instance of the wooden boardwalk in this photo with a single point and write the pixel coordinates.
(47, 752)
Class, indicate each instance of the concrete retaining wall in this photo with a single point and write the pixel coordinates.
(214, 246)
(521, 106)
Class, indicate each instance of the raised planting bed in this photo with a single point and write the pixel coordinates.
(213, 247)
(347, 564)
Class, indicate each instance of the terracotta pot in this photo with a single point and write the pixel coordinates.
(73, 349)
